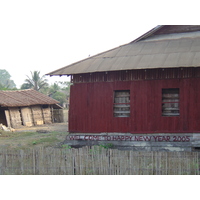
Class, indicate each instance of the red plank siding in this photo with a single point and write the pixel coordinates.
(92, 107)
(144, 74)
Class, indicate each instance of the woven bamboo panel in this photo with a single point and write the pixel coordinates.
(97, 161)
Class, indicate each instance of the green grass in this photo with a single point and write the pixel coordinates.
(23, 140)
(49, 140)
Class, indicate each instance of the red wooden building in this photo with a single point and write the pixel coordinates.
(148, 86)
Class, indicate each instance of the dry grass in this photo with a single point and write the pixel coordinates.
(46, 136)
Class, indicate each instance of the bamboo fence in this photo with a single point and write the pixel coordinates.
(96, 161)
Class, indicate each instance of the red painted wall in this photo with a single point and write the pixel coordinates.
(91, 107)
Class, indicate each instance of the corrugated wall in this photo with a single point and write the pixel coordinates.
(92, 107)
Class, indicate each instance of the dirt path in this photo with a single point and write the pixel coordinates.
(58, 127)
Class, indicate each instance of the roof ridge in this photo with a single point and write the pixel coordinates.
(15, 90)
(148, 33)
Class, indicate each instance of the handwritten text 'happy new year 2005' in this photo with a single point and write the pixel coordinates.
(167, 138)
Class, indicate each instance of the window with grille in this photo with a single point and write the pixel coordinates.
(121, 103)
(170, 102)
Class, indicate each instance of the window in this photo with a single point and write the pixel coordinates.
(170, 102)
(121, 103)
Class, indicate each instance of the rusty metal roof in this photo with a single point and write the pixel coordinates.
(18, 98)
(150, 51)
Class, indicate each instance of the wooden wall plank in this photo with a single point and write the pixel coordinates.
(47, 115)
(15, 117)
(27, 116)
(7, 115)
(92, 107)
(37, 115)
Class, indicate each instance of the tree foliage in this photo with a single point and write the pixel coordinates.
(5, 81)
(35, 81)
(58, 91)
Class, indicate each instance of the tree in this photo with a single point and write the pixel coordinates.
(5, 81)
(3, 87)
(58, 91)
(35, 82)
(60, 96)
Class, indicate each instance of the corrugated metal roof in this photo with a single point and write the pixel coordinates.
(157, 51)
(24, 98)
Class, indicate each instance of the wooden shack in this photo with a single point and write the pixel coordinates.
(26, 108)
(141, 95)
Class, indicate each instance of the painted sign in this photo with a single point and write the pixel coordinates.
(136, 138)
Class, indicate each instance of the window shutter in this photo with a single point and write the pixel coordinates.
(170, 102)
(122, 103)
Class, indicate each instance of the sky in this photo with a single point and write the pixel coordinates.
(45, 35)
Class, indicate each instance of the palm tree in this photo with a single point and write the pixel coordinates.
(35, 81)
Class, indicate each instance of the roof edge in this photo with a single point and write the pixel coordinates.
(149, 33)
(53, 73)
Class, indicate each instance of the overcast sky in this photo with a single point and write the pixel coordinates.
(46, 35)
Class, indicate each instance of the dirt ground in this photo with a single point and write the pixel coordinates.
(55, 127)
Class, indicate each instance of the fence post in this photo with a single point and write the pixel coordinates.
(74, 164)
(22, 161)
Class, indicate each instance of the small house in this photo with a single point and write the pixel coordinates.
(26, 108)
(143, 95)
